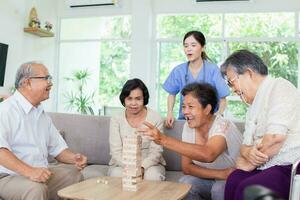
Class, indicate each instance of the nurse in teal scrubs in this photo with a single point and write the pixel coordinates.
(198, 68)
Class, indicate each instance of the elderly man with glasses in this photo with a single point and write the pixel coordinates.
(271, 141)
(28, 136)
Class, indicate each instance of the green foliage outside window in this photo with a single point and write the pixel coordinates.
(114, 60)
(236, 109)
(280, 57)
(260, 25)
(114, 71)
(175, 26)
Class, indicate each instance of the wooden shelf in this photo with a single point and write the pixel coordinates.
(39, 32)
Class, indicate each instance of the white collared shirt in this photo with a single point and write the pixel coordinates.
(275, 110)
(28, 132)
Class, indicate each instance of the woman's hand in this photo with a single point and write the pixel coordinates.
(256, 157)
(228, 171)
(151, 132)
(169, 123)
(243, 164)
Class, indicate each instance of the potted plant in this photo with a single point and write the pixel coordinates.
(78, 99)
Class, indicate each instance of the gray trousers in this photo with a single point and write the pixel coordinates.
(15, 187)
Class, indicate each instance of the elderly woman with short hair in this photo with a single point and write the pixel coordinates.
(271, 142)
(210, 143)
(135, 97)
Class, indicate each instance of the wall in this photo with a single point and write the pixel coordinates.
(25, 47)
(11, 23)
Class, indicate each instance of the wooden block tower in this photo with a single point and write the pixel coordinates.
(132, 160)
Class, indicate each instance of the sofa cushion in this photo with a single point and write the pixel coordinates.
(92, 171)
(173, 159)
(85, 134)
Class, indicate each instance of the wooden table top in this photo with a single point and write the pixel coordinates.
(96, 189)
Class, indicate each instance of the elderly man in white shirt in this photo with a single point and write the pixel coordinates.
(28, 136)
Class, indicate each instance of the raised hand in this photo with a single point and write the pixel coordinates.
(151, 132)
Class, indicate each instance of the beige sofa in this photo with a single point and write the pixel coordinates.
(89, 135)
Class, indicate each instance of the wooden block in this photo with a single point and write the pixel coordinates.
(132, 172)
(132, 179)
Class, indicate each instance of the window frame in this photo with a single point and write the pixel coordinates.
(225, 43)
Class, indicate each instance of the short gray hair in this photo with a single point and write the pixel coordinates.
(243, 59)
(24, 72)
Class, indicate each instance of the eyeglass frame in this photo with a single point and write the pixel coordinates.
(47, 78)
(230, 82)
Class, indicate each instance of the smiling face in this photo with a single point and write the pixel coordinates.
(38, 89)
(134, 103)
(192, 49)
(196, 116)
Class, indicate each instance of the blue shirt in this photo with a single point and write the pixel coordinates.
(180, 76)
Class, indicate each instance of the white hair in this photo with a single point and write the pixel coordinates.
(24, 72)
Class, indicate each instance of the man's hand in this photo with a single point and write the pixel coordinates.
(152, 132)
(39, 174)
(256, 157)
(80, 161)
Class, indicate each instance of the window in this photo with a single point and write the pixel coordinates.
(273, 36)
(101, 47)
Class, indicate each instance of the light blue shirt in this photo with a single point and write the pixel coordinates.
(180, 76)
(28, 132)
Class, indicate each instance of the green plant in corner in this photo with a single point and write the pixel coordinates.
(77, 99)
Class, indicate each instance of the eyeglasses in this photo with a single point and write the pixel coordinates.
(48, 78)
(230, 82)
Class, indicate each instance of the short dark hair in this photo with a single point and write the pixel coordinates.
(200, 38)
(204, 92)
(133, 84)
(243, 59)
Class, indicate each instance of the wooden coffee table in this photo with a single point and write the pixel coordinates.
(110, 188)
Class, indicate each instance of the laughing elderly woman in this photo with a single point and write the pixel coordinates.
(271, 142)
(210, 143)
